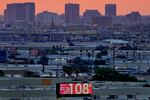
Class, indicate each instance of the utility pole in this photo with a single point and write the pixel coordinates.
(114, 54)
(57, 71)
(140, 61)
(147, 55)
(43, 59)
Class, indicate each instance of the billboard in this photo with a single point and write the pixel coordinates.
(74, 89)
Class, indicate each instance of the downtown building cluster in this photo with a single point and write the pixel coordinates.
(24, 14)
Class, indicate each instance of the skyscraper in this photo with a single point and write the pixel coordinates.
(110, 10)
(102, 21)
(30, 13)
(20, 14)
(89, 14)
(72, 13)
(133, 18)
(47, 18)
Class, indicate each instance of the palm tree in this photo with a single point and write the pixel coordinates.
(93, 51)
(86, 51)
(67, 69)
(81, 50)
(76, 69)
(89, 55)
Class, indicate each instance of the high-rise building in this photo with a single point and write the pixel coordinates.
(62, 19)
(110, 10)
(47, 18)
(133, 18)
(102, 21)
(72, 13)
(30, 13)
(20, 14)
(89, 14)
(1, 19)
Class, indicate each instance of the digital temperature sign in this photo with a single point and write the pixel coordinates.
(74, 89)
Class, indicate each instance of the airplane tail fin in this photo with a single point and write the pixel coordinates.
(70, 42)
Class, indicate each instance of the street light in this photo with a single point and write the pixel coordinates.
(57, 67)
(114, 54)
(44, 61)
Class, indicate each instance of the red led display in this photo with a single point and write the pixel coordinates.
(72, 89)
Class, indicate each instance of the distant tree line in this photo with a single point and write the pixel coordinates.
(108, 74)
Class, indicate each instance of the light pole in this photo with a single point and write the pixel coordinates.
(57, 67)
(148, 59)
(139, 68)
(23, 89)
(44, 60)
(114, 54)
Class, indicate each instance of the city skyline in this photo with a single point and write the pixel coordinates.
(123, 6)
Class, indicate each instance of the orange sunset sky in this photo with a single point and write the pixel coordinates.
(123, 6)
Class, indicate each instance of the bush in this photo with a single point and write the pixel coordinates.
(108, 74)
(76, 69)
(30, 74)
(104, 53)
(2, 74)
(148, 71)
(99, 62)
